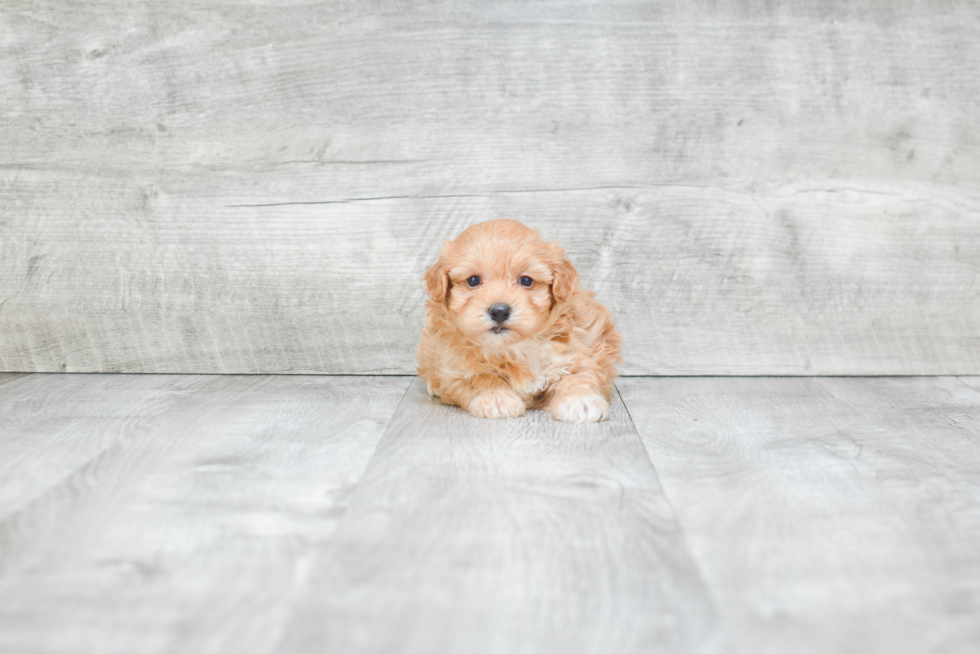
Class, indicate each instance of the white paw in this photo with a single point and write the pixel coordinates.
(581, 409)
(498, 403)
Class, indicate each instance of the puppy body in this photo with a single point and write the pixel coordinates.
(508, 328)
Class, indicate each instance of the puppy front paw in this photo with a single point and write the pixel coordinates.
(497, 403)
(581, 408)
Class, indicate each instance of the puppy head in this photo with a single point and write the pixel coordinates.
(499, 281)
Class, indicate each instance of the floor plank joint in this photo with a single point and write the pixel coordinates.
(147, 513)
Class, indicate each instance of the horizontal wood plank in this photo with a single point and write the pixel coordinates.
(254, 188)
(827, 515)
(700, 282)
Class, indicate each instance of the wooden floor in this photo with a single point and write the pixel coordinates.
(241, 514)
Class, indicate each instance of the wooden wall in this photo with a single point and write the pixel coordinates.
(782, 187)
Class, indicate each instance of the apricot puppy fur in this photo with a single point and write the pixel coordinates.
(508, 328)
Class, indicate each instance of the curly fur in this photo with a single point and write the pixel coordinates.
(558, 351)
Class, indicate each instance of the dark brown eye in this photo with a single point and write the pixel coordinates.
(473, 281)
(526, 281)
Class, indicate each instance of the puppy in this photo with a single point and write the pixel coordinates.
(508, 328)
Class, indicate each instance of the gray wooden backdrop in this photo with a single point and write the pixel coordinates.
(788, 187)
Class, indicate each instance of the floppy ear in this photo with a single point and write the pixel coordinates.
(437, 280)
(565, 279)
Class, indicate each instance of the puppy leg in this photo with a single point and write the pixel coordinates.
(577, 398)
(485, 396)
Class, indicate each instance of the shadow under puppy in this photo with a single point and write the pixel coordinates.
(508, 327)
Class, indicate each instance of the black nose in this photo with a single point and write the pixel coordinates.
(499, 313)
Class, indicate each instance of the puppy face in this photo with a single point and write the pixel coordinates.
(499, 281)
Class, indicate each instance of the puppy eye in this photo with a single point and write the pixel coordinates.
(473, 281)
(526, 281)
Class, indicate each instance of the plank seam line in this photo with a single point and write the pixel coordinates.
(777, 194)
(811, 376)
(142, 426)
(469, 195)
(406, 374)
(959, 379)
(391, 417)
(13, 377)
(681, 533)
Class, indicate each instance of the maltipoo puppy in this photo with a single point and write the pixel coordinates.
(507, 328)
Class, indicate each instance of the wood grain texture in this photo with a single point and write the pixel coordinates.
(524, 535)
(754, 188)
(53, 425)
(827, 515)
(195, 533)
(8, 377)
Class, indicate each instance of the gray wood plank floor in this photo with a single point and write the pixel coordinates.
(192, 533)
(827, 515)
(505, 536)
(344, 514)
